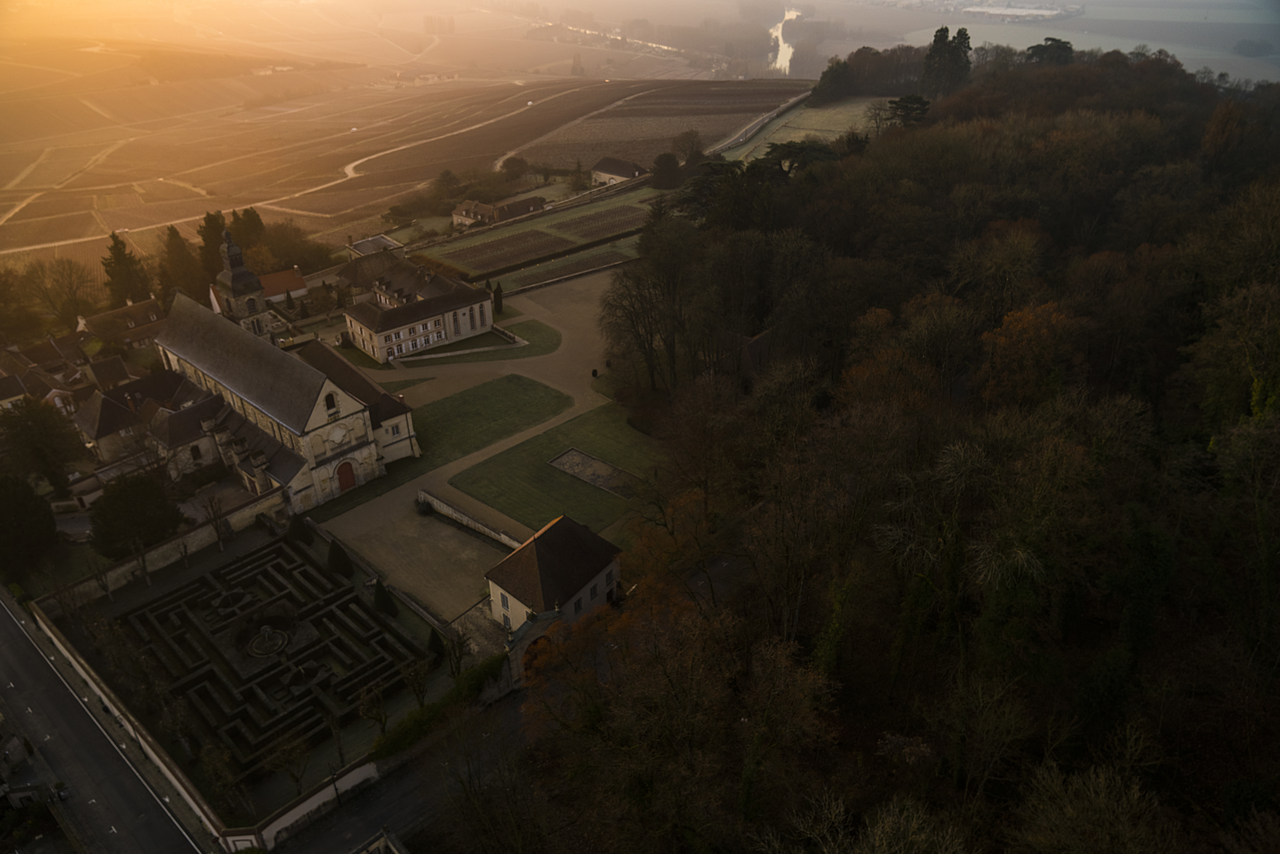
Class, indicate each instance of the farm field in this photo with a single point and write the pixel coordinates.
(642, 128)
(828, 122)
(318, 171)
(504, 248)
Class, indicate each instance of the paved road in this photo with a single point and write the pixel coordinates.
(109, 806)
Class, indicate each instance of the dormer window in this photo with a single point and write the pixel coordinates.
(330, 403)
(130, 322)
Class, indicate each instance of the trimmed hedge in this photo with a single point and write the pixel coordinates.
(420, 723)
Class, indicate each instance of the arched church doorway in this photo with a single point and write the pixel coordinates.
(346, 477)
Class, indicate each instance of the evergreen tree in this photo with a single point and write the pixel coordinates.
(946, 66)
(339, 560)
(39, 440)
(133, 512)
(497, 299)
(27, 527)
(383, 600)
(184, 270)
(210, 231)
(127, 279)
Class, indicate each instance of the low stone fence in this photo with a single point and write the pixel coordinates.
(112, 705)
(171, 550)
(313, 803)
(445, 509)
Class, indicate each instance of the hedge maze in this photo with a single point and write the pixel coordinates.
(261, 648)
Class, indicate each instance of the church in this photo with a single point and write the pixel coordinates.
(309, 423)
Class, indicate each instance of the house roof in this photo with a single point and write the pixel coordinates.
(619, 168)
(345, 376)
(378, 318)
(362, 272)
(138, 322)
(283, 387)
(10, 387)
(278, 284)
(177, 428)
(377, 243)
(99, 417)
(553, 565)
(474, 210)
(108, 373)
(54, 350)
(518, 207)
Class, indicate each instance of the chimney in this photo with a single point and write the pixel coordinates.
(239, 447)
(259, 462)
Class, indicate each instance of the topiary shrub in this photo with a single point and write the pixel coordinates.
(339, 560)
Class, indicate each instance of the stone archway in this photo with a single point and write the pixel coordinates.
(346, 477)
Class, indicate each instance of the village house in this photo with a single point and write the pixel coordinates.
(563, 571)
(611, 170)
(285, 423)
(472, 213)
(412, 310)
(133, 326)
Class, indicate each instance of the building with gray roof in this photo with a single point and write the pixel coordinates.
(286, 424)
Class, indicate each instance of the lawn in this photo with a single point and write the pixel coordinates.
(542, 340)
(458, 425)
(361, 359)
(396, 386)
(521, 483)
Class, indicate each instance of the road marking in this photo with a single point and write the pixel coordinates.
(113, 828)
(94, 801)
(46, 738)
(28, 710)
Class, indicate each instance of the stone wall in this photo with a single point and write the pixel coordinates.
(446, 509)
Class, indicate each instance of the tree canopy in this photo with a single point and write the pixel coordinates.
(27, 526)
(132, 513)
(39, 441)
(127, 279)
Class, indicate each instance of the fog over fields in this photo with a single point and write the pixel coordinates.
(137, 115)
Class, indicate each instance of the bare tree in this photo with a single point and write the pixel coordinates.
(98, 571)
(214, 510)
(290, 754)
(456, 649)
(415, 673)
(334, 721)
(373, 707)
(219, 767)
(62, 287)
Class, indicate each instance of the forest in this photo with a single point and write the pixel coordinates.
(968, 535)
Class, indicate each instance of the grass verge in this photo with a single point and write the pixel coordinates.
(542, 340)
(420, 723)
(361, 359)
(458, 425)
(395, 386)
(520, 483)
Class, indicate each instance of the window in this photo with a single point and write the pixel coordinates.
(412, 329)
(506, 606)
(399, 349)
(457, 330)
(386, 339)
(577, 605)
(594, 591)
(251, 305)
(506, 621)
(482, 321)
(195, 453)
(130, 322)
(329, 402)
(390, 352)
(397, 336)
(473, 318)
(395, 429)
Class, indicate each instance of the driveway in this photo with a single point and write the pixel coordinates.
(389, 525)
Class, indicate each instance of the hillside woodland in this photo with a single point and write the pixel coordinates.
(968, 539)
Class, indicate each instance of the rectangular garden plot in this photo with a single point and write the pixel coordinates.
(597, 472)
(503, 252)
(602, 224)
